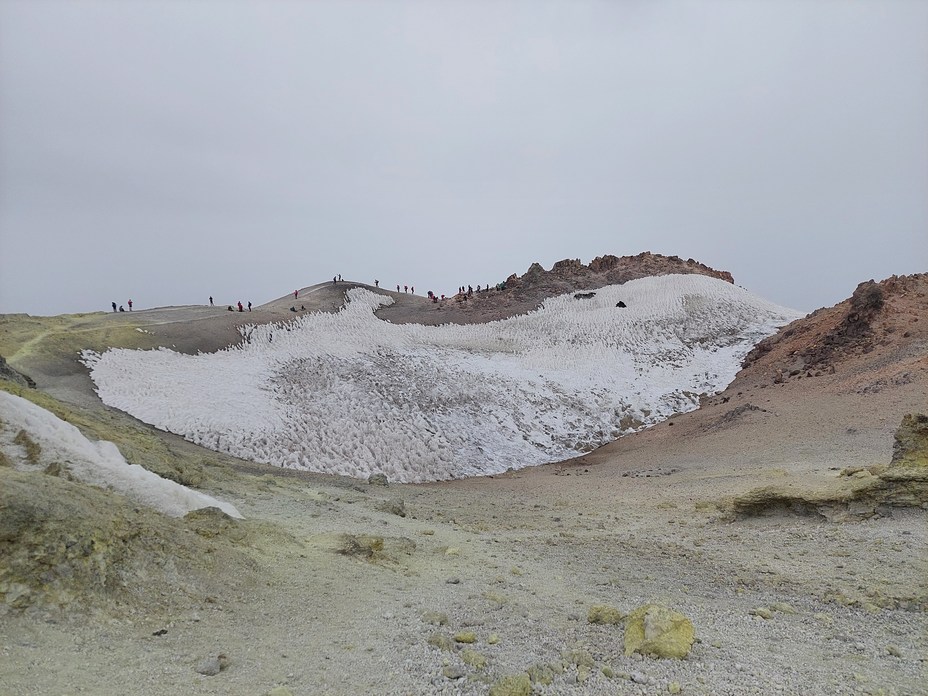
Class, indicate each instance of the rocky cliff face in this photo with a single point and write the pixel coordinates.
(611, 270)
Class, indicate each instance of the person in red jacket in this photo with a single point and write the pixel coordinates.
(130, 305)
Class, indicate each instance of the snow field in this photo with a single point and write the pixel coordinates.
(96, 463)
(347, 393)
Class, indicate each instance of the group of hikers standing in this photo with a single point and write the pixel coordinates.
(121, 308)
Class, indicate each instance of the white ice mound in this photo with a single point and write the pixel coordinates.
(96, 463)
(347, 393)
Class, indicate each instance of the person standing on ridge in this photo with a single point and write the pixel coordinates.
(210, 300)
(249, 305)
(114, 306)
(376, 283)
(296, 294)
(240, 308)
(130, 305)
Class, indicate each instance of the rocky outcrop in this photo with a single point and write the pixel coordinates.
(7, 372)
(910, 447)
(880, 316)
(658, 631)
(858, 493)
(612, 270)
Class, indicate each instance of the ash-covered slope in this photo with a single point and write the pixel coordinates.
(348, 393)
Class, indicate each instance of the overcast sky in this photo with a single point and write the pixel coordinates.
(168, 151)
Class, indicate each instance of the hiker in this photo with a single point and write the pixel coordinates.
(412, 288)
(240, 308)
(249, 305)
(130, 305)
(210, 300)
(302, 308)
(230, 308)
(296, 293)
(397, 288)
(406, 288)
(334, 278)
(121, 308)
(376, 283)
(292, 309)
(114, 306)
(339, 277)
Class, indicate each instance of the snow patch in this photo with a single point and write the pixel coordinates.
(96, 463)
(350, 394)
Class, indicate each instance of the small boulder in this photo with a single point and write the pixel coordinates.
(604, 614)
(658, 631)
(513, 685)
(378, 480)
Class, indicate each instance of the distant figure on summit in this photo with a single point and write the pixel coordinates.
(249, 305)
(114, 306)
(210, 300)
(240, 308)
(376, 283)
(296, 294)
(130, 305)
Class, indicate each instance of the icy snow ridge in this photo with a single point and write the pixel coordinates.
(350, 394)
(97, 463)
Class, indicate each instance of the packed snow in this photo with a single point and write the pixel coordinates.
(97, 463)
(350, 394)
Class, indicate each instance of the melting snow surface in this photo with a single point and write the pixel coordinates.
(350, 394)
(97, 463)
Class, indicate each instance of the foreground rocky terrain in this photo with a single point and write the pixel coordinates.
(775, 518)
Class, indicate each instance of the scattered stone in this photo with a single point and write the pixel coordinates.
(453, 581)
(641, 678)
(397, 507)
(210, 522)
(437, 640)
(453, 672)
(674, 688)
(608, 672)
(436, 618)
(762, 612)
(212, 665)
(604, 614)
(542, 674)
(365, 546)
(474, 659)
(513, 685)
(783, 608)
(452, 551)
(378, 480)
(658, 631)
(578, 656)
(465, 637)
(493, 639)
(280, 691)
(894, 651)
(160, 632)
